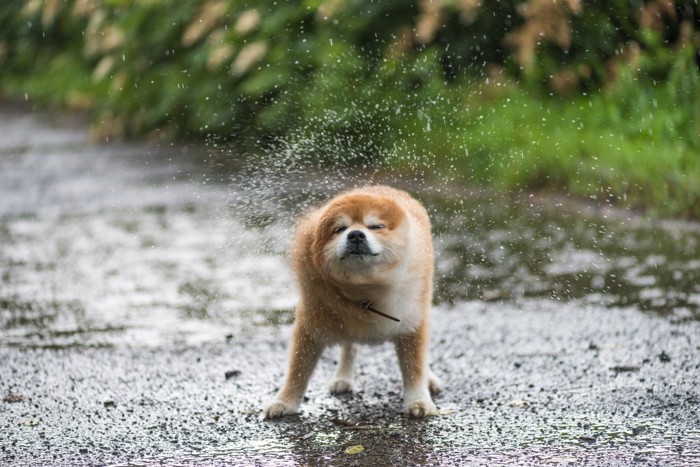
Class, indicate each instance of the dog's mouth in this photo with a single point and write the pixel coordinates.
(357, 250)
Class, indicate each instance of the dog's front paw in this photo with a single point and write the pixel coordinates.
(279, 408)
(420, 408)
(340, 385)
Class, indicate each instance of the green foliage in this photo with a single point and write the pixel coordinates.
(598, 98)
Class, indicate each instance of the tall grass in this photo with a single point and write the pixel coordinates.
(601, 100)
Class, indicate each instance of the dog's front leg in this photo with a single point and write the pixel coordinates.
(304, 354)
(411, 350)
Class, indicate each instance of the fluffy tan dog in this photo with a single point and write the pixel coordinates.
(364, 266)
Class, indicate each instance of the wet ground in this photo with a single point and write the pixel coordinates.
(145, 310)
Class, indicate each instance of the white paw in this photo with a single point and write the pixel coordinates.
(340, 386)
(420, 408)
(434, 384)
(280, 408)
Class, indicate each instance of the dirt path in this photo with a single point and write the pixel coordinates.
(144, 320)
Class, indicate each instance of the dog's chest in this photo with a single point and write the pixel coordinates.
(360, 324)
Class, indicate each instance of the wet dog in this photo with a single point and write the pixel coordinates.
(364, 266)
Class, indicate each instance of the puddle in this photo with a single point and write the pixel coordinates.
(505, 250)
(145, 245)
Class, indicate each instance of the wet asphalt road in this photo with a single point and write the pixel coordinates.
(145, 312)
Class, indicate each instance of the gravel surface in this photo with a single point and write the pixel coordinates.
(145, 312)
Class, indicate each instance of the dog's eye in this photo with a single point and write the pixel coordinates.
(339, 229)
(375, 227)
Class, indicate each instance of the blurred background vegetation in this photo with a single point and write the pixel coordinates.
(600, 99)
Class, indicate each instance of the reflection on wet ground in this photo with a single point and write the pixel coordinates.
(496, 250)
(130, 245)
(142, 291)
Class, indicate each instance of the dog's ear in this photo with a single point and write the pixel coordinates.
(323, 234)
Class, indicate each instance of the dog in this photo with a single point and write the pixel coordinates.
(364, 266)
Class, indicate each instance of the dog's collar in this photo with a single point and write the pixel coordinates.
(369, 306)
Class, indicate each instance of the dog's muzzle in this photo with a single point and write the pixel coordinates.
(357, 244)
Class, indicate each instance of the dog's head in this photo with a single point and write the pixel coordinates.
(360, 239)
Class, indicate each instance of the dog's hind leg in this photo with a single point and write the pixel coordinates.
(434, 383)
(342, 380)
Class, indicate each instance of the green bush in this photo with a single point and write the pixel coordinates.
(598, 98)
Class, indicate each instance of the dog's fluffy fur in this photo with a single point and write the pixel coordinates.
(371, 243)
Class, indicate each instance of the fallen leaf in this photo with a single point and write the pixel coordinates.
(232, 374)
(624, 368)
(357, 449)
(11, 398)
(366, 427)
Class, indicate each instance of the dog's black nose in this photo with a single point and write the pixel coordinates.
(356, 236)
